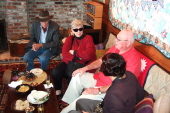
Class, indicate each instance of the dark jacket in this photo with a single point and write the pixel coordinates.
(52, 38)
(123, 95)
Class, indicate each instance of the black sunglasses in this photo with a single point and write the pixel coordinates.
(80, 29)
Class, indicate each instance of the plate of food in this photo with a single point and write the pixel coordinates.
(20, 105)
(36, 71)
(38, 97)
(23, 88)
(30, 77)
(21, 73)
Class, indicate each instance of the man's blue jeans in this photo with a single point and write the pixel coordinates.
(43, 55)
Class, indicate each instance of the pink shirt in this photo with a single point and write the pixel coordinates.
(133, 64)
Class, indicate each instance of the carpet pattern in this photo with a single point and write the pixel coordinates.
(61, 103)
(6, 58)
(22, 67)
(3, 96)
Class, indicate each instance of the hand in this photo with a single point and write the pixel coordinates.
(80, 71)
(84, 111)
(36, 46)
(33, 47)
(91, 90)
(71, 52)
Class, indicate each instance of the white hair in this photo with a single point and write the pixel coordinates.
(75, 23)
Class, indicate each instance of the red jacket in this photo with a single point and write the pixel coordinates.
(85, 49)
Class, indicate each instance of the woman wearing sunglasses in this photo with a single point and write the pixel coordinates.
(78, 47)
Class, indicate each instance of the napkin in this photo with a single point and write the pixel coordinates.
(14, 84)
(48, 86)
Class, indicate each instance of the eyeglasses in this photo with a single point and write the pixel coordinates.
(120, 40)
(80, 29)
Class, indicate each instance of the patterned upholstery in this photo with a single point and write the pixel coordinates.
(110, 41)
(145, 106)
(158, 82)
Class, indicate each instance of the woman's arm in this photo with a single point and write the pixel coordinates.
(66, 48)
(87, 50)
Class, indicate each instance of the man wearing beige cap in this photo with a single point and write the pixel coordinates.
(44, 41)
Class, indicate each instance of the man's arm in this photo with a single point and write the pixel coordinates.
(94, 65)
(95, 91)
(36, 46)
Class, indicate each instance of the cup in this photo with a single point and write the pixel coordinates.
(40, 108)
(29, 109)
(48, 80)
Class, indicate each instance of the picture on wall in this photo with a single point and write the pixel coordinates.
(148, 19)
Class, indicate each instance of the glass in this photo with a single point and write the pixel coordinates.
(48, 84)
(40, 108)
(120, 39)
(48, 80)
(80, 29)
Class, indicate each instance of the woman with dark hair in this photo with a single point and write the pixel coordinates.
(113, 65)
(124, 93)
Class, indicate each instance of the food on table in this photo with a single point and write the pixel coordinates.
(36, 71)
(29, 109)
(15, 77)
(23, 88)
(21, 105)
(38, 97)
(33, 84)
(21, 73)
(30, 77)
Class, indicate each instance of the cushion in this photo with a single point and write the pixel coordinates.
(111, 41)
(158, 81)
(145, 105)
(162, 104)
(100, 53)
(99, 46)
(146, 64)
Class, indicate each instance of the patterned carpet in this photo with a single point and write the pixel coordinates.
(6, 58)
(3, 96)
(22, 67)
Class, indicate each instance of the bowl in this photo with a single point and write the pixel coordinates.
(36, 71)
(21, 73)
(38, 97)
(23, 88)
(29, 109)
(20, 104)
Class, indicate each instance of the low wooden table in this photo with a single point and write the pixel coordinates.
(51, 106)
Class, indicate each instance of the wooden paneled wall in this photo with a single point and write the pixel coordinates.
(149, 51)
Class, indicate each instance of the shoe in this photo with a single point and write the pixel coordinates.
(59, 97)
(58, 92)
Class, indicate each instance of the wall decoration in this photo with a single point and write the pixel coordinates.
(148, 19)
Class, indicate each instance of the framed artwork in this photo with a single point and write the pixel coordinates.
(148, 19)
